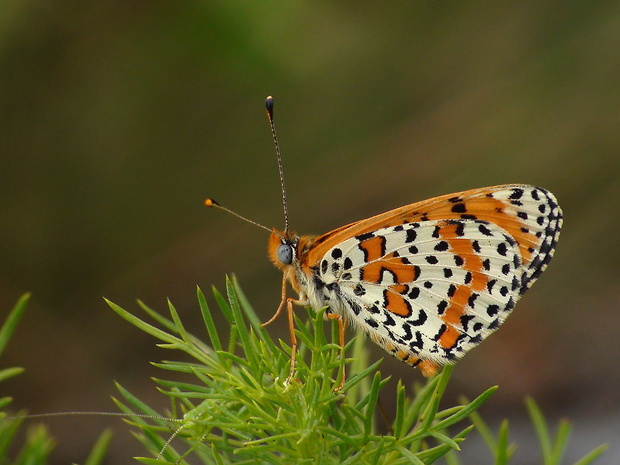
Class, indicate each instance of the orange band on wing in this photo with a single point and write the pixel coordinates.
(396, 303)
(471, 263)
(458, 302)
(452, 316)
(508, 223)
(379, 263)
(449, 337)
(373, 248)
(464, 248)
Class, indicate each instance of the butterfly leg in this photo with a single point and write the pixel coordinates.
(288, 302)
(281, 306)
(333, 316)
(291, 329)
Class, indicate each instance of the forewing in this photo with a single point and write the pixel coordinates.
(529, 214)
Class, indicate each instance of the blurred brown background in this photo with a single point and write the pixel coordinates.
(118, 118)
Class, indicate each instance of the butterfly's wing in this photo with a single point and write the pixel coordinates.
(431, 280)
(531, 215)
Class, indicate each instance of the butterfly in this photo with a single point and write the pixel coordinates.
(428, 281)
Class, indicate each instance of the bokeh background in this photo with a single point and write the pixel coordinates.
(118, 118)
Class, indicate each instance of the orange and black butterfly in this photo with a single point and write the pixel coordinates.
(428, 281)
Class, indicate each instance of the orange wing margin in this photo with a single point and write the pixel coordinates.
(473, 204)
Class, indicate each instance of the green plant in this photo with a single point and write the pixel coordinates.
(238, 407)
(241, 409)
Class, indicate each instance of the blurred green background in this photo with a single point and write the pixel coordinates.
(117, 118)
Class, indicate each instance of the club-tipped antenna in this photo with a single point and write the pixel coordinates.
(213, 204)
(269, 107)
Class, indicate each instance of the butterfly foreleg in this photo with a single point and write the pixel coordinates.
(281, 306)
(288, 303)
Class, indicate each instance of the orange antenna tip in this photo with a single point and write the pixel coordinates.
(212, 203)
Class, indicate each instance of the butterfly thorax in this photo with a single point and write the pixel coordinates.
(293, 255)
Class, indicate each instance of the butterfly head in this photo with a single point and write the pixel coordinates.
(283, 248)
(287, 249)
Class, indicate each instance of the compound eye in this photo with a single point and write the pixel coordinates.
(285, 254)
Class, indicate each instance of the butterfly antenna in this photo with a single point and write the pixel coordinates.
(213, 204)
(269, 107)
